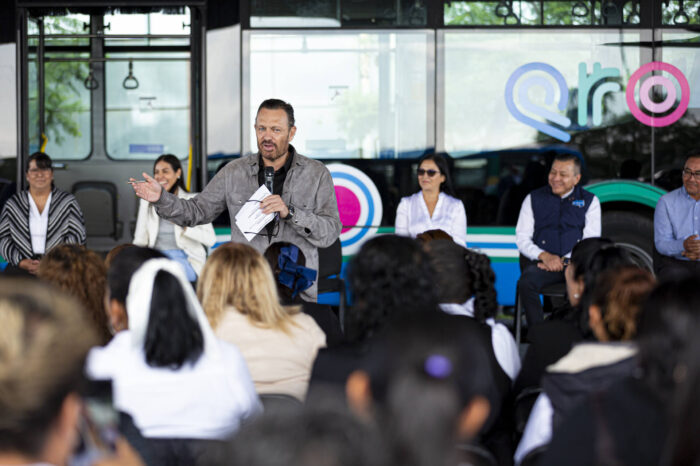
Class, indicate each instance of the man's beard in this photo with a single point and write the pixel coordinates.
(276, 154)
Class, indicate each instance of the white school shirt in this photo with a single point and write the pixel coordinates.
(38, 224)
(525, 229)
(413, 218)
(205, 400)
(504, 347)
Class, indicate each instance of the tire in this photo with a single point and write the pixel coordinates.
(633, 231)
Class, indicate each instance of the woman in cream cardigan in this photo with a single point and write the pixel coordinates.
(186, 245)
(239, 296)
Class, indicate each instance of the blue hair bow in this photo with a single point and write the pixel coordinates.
(292, 275)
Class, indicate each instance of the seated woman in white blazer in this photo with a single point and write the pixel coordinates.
(186, 245)
(434, 207)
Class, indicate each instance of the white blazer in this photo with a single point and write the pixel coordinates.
(193, 240)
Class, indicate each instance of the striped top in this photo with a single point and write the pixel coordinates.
(66, 225)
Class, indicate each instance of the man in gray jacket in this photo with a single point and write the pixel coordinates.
(303, 193)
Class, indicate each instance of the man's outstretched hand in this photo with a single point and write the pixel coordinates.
(149, 190)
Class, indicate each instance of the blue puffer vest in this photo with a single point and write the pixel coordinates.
(559, 222)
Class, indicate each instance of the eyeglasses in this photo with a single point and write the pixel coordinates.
(688, 173)
(431, 173)
(36, 171)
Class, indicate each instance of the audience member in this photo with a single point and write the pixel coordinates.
(124, 263)
(435, 205)
(390, 275)
(465, 283)
(43, 344)
(682, 447)
(240, 299)
(324, 433)
(614, 307)
(169, 372)
(186, 245)
(82, 274)
(628, 423)
(552, 220)
(676, 224)
(37, 219)
(427, 393)
(291, 277)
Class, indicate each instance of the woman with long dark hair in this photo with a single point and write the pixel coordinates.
(168, 370)
(186, 245)
(435, 205)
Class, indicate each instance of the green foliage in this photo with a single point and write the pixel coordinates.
(64, 96)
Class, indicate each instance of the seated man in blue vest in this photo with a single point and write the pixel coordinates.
(552, 220)
(677, 224)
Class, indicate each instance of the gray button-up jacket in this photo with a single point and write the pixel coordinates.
(308, 187)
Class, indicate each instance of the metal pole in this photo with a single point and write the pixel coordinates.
(41, 84)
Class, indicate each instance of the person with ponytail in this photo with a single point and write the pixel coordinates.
(465, 284)
(465, 288)
(168, 369)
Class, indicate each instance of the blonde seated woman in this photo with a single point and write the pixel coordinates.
(279, 343)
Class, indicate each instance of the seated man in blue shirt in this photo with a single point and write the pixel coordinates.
(677, 224)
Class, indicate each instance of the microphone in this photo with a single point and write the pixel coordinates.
(269, 178)
(269, 184)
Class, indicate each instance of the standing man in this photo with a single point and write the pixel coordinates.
(304, 196)
(677, 223)
(552, 220)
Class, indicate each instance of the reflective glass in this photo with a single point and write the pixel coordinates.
(355, 94)
(153, 118)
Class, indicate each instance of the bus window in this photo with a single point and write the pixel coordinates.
(153, 118)
(370, 99)
(67, 125)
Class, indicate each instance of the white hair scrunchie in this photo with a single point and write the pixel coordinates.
(138, 302)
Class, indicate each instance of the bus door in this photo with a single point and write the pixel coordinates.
(104, 92)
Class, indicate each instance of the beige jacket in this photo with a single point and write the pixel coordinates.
(193, 240)
(278, 362)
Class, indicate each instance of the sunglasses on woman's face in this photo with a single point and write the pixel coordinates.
(431, 173)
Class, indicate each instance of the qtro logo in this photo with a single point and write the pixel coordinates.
(548, 78)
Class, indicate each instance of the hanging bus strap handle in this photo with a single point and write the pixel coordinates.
(681, 17)
(90, 82)
(580, 10)
(504, 10)
(130, 82)
(44, 141)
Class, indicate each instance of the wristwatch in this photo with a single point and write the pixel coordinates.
(290, 214)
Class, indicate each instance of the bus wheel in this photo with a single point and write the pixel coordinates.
(634, 232)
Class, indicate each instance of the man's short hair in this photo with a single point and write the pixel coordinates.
(277, 104)
(694, 154)
(568, 157)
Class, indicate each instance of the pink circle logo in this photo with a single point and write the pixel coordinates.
(348, 206)
(668, 102)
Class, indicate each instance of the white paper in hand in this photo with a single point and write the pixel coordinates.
(251, 219)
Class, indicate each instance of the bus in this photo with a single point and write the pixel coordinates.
(498, 87)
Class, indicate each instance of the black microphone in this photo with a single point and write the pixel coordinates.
(269, 178)
(269, 184)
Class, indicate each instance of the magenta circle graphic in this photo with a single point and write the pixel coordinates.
(650, 104)
(348, 207)
(673, 116)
